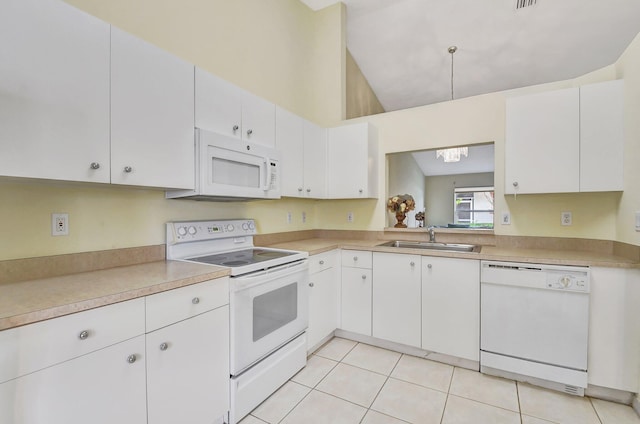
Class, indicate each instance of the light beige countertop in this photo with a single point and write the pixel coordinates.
(30, 301)
(544, 256)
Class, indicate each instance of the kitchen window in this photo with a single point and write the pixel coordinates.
(473, 207)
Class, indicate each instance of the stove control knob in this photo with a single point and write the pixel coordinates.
(192, 230)
(245, 226)
(252, 226)
(230, 227)
(182, 231)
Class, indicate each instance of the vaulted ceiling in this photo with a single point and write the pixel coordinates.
(401, 45)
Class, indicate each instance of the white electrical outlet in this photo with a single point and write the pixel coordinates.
(349, 216)
(289, 218)
(304, 217)
(506, 218)
(565, 218)
(59, 224)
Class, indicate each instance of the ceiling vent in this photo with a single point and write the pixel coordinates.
(520, 4)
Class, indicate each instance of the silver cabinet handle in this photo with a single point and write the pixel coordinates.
(360, 191)
(429, 266)
(235, 128)
(355, 258)
(128, 169)
(515, 184)
(83, 335)
(308, 190)
(94, 165)
(195, 300)
(164, 346)
(311, 284)
(364, 277)
(131, 358)
(412, 263)
(321, 262)
(299, 188)
(249, 131)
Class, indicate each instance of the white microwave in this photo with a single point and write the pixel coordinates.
(231, 169)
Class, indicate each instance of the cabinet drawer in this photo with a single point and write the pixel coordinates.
(322, 261)
(356, 258)
(175, 305)
(36, 346)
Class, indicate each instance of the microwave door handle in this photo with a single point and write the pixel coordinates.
(266, 184)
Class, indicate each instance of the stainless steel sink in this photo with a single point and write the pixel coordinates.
(450, 247)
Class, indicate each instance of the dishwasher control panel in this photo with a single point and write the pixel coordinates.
(568, 281)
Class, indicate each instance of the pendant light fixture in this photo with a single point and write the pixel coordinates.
(453, 154)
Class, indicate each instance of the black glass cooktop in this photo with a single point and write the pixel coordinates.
(241, 257)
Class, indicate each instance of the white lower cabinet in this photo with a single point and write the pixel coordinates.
(188, 370)
(323, 298)
(98, 366)
(614, 333)
(396, 298)
(102, 387)
(356, 290)
(451, 306)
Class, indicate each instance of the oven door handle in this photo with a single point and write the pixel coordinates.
(261, 277)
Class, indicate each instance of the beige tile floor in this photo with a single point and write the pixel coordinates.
(346, 382)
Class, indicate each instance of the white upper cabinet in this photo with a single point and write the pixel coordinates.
(315, 161)
(152, 115)
(602, 136)
(565, 141)
(290, 142)
(258, 120)
(352, 162)
(226, 109)
(304, 150)
(543, 143)
(54, 92)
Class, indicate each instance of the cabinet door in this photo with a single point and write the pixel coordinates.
(102, 387)
(323, 306)
(355, 308)
(218, 105)
(602, 136)
(542, 152)
(152, 136)
(315, 161)
(451, 306)
(348, 161)
(396, 298)
(614, 336)
(188, 370)
(54, 92)
(258, 120)
(289, 140)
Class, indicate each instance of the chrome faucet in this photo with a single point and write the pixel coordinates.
(432, 234)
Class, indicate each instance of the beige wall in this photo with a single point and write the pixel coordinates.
(439, 194)
(405, 177)
(361, 100)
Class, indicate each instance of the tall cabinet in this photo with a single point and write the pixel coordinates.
(54, 92)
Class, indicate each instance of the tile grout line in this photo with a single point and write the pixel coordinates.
(519, 405)
(595, 409)
(382, 387)
(453, 372)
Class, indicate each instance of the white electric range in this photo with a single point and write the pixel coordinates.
(268, 304)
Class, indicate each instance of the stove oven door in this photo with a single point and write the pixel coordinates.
(268, 308)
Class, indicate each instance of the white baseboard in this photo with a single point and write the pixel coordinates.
(636, 405)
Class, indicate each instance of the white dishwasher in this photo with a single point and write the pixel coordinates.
(535, 323)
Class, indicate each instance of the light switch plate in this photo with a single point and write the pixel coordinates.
(506, 218)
